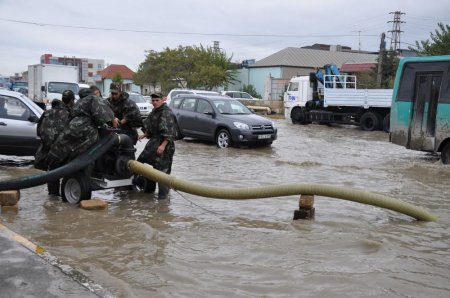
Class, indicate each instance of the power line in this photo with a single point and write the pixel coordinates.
(176, 32)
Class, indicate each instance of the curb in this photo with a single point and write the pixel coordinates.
(74, 274)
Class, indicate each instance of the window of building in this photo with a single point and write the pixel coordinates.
(90, 74)
(90, 65)
(99, 66)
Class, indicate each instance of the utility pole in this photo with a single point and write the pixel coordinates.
(359, 40)
(395, 38)
(380, 59)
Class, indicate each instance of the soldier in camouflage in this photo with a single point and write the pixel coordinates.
(88, 114)
(159, 127)
(127, 116)
(49, 127)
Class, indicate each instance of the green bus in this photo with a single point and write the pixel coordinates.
(420, 110)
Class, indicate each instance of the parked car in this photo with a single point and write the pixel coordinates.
(239, 95)
(176, 92)
(18, 120)
(4, 83)
(16, 85)
(144, 106)
(221, 119)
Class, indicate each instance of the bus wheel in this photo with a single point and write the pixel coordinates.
(445, 154)
(369, 121)
(387, 122)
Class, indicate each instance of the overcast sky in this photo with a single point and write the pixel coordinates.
(246, 29)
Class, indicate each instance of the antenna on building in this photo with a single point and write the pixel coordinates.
(395, 37)
(216, 45)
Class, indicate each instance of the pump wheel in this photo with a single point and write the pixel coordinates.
(387, 122)
(369, 121)
(445, 154)
(142, 184)
(76, 188)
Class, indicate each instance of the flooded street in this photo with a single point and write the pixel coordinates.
(201, 247)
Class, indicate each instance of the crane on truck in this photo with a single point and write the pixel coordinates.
(333, 98)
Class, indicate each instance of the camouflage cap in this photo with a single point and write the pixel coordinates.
(156, 95)
(84, 92)
(114, 87)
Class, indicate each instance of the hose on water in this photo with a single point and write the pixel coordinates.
(81, 162)
(348, 194)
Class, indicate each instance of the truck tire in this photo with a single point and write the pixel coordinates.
(76, 187)
(298, 116)
(387, 122)
(369, 121)
(445, 154)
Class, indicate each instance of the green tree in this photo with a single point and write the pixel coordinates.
(186, 67)
(389, 66)
(250, 89)
(439, 44)
(117, 78)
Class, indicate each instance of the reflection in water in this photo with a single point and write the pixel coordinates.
(193, 246)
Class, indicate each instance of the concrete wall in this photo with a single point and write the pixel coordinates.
(242, 78)
(258, 76)
(289, 72)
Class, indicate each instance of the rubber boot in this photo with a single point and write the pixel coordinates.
(163, 191)
(53, 188)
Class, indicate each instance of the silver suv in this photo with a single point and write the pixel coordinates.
(18, 120)
(175, 92)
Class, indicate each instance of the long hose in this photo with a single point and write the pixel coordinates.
(81, 162)
(281, 190)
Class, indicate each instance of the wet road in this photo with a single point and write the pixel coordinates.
(201, 247)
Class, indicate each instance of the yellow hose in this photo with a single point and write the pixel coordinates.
(348, 194)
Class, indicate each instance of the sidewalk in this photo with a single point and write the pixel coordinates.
(26, 270)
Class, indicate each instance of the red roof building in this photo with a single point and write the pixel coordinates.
(114, 69)
(357, 67)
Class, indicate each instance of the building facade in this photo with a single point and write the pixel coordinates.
(89, 69)
(117, 70)
(271, 75)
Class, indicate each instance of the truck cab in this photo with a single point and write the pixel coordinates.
(54, 90)
(297, 94)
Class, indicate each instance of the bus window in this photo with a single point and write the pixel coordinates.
(407, 81)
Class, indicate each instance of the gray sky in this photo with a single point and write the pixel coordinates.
(301, 22)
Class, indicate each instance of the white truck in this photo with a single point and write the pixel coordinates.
(335, 99)
(47, 82)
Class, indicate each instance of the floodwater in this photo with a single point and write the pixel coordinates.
(200, 247)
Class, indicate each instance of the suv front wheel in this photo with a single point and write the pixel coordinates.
(223, 139)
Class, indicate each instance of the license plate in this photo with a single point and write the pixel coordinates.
(261, 137)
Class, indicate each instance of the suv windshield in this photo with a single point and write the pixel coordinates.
(231, 107)
(137, 98)
(60, 87)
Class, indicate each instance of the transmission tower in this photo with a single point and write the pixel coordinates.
(395, 37)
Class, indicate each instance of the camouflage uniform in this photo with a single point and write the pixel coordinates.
(158, 126)
(88, 114)
(128, 109)
(49, 127)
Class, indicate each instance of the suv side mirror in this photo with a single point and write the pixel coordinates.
(42, 88)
